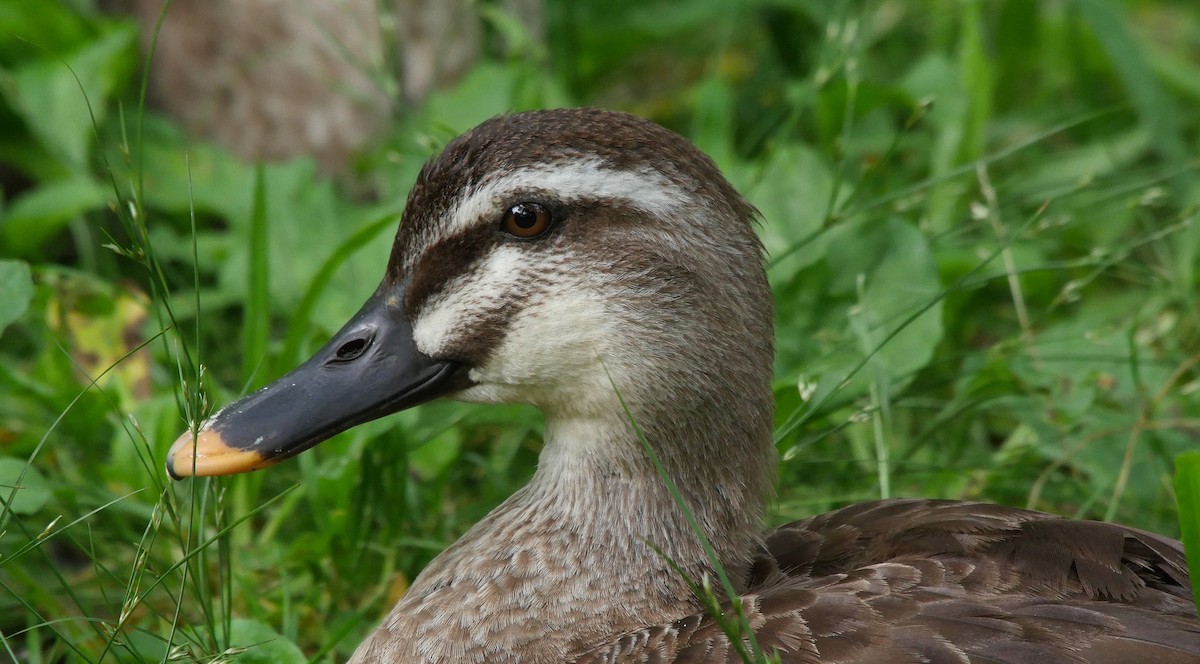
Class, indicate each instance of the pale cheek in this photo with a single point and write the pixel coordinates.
(435, 328)
(552, 356)
(552, 340)
(552, 351)
(446, 320)
(490, 394)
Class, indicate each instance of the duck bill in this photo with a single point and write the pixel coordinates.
(369, 369)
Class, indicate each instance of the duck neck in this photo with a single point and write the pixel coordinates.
(599, 476)
(572, 558)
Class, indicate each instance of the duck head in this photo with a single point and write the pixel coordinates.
(570, 259)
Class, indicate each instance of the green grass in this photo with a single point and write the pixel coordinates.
(982, 222)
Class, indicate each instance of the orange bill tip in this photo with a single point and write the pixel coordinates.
(208, 455)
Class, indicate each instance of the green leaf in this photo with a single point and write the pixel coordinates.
(1156, 109)
(936, 78)
(58, 99)
(904, 282)
(887, 282)
(32, 490)
(1187, 491)
(793, 191)
(16, 290)
(486, 91)
(432, 458)
(263, 644)
(37, 215)
(37, 26)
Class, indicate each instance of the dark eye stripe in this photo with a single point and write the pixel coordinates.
(446, 259)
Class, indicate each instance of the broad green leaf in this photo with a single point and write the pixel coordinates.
(37, 27)
(431, 458)
(16, 290)
(58, 98)
(713, 121)
(37, 215)
(793, 191)
(904, 283)
(101, 324)
(263, 644)
(875, 288)
(32, 490)
(486, 91)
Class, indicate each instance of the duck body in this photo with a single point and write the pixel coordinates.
(880, 582)
(600, 268)
(903, 580)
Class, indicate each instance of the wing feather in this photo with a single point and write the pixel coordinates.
(933, 582)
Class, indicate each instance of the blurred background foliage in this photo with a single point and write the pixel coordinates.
(981, 219)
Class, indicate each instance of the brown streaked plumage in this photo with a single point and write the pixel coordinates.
(931, 581)
(649, 283)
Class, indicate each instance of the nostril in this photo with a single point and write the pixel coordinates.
(351, 350)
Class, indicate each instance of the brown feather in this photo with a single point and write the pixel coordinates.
(958, 582)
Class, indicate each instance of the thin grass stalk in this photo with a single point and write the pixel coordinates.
(746, 633)
(799, 417)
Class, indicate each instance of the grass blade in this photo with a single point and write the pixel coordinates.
(1187, 492)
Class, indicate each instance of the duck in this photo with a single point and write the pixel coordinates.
(601, 268)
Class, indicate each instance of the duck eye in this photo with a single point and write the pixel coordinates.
(350, 350)
(526, 220)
